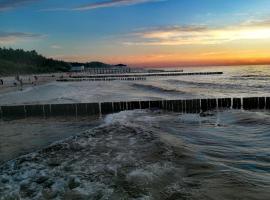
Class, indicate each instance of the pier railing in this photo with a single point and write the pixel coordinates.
(8, 112)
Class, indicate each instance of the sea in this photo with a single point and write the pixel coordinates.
(141, 154)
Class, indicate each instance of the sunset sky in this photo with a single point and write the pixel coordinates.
(140, 32)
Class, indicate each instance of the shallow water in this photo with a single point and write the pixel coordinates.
(236, 81)
(24, 136)
(151, 155)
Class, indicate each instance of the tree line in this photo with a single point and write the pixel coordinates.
(13, 61)
(19, 61)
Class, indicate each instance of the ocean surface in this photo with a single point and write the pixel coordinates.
(236, 81)
(141, 154)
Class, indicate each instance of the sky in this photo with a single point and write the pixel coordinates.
(156, 33)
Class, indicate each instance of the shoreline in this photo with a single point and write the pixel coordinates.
(28, 81)
(8, 89)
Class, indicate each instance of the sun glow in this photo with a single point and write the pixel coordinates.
(257, 34)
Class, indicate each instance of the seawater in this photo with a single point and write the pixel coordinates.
(148, 154)
(236, 81)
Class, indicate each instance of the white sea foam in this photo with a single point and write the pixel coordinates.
(170, 158)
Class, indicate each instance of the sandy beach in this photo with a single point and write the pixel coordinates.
(27, 80)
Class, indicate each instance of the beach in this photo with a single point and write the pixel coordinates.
(243, 81)
(11, 84)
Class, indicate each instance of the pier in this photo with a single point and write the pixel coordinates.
(9, 112)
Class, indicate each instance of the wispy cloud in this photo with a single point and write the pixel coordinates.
(111, 3)
(103, 4)
(56, 46)
(186, 35)
(13, 37)
(257, 23)
(11, 4)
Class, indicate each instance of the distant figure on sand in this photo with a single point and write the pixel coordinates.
(17, 77)
(21, 84)
(35, 80)
(1, 82)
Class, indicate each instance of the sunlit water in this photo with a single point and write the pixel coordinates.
(236, 81)
(144, 154)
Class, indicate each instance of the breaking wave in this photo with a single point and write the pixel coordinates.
(158, 89)
(203, 85)
(173, 157)
(223, 86)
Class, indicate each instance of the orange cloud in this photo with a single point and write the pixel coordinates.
(175, 59)
(247, 43)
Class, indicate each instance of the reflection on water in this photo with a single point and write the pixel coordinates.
(152, 155)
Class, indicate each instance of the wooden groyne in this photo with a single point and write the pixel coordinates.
(103, 108)
(102, 79)
(117, 70)
(161, 74)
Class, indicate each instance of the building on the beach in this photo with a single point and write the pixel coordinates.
(120, 65)
(77, 68)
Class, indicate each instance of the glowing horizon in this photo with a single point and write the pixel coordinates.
(141, 32)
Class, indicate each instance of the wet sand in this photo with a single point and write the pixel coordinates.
(28, 81)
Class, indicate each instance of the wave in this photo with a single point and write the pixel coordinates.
(252, 119)
(137, 155)
(203, 85)
(117, 159)
(252, 76)
(217, 85)
(158, 89)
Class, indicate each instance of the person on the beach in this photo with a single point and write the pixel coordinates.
(21, 84)
(17, 77)
(1, 82)
(35, 81)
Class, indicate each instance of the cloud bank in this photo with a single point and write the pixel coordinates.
(200, 35)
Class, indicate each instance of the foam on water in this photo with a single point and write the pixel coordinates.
(150, 155)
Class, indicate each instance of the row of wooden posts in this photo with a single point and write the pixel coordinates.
(102, 79)
(89, 109)
(160, 74)
(108, 71)
(124, 70)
